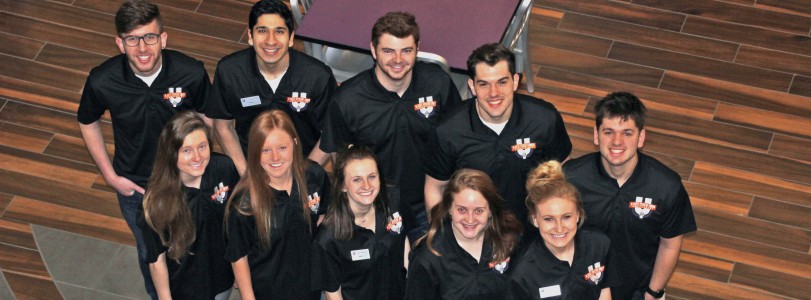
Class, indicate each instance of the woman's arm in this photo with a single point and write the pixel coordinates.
(605, 294)
(336, 295)
(160, 276)
(242, 275)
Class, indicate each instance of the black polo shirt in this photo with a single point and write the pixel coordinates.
(396, 128)
(139, 111)
(455, 274)
(538, 274)
(534, 134)
(241, 93)
(202, 273)
(281, 271)
(367, 266)
(651, 204)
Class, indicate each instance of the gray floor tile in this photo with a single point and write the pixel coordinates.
(73, 258)
(72, 292)
(5, 290)
(123, 277)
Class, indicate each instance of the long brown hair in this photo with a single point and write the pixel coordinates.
(547, 181)
(340, 215)
(252, 195)
(503, 228)
(165, 205)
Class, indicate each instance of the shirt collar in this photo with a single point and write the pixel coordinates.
(478, 126)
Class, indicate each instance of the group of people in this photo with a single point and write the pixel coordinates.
(430, 197)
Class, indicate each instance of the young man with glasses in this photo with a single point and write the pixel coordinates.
(142, 88)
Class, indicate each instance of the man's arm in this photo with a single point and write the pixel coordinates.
(433, 192)
(319, 156)
(666, 259)
(160, 276)
(94, 140)
(230, 143)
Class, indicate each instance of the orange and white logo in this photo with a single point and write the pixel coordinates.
(500, 267)
(298, 101)
(395, 224)
(174, 96)
(220, 193)
(314, 201)
(523, 148)
(642, 206)
(595, 273)
(426, 106)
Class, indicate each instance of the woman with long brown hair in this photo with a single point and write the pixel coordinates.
(361, 247)
(273, 213)
(469, 243)
(566, 262)
(183, 213)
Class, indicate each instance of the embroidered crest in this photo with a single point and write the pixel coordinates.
(523, 148)
(395, 224)
(426, 106)
(595, 273)
(298, 101)
(220, 193)
(642, 207)
(314, 202)
(500, 267)
(174, 96)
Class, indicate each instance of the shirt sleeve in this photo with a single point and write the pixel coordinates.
(421, 283)
(203, 90)
(239, 237)
(323, 99)
(326, 193)
(679, 218)
(326, 268)
(215, 103)
(454, 100)
(560, 146)
(91, 107)
(439, 163)
(152, 241)
(335, 132)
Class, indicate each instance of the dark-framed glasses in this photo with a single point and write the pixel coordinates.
(149, 39)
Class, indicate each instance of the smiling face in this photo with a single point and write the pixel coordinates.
(144, 59)
(469, 215)
(192, 158)
(556, 219)
(361, 182)
(277, 155)
(494, 88)
(272, 40)
(394, 57)
(619, 142)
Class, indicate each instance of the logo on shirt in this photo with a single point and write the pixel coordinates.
(426, 106)
(395, 224)
(174, 96)
(298, 101)
(523, 148)
(595, 273)
(220, 193)
(314, 201)
(642, 207)
(500, 267)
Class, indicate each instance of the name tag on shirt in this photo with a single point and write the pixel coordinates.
(549, 291)
(250, 101)
(362, 254)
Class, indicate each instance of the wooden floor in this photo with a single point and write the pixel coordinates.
(728, 85)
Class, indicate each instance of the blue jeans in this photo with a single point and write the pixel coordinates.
(129, 209)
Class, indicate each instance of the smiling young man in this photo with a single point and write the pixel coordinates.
(142, 88)
(637, 201)
(500, 132)
(269, 75)
(393, 108)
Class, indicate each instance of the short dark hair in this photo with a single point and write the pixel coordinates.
(399, 24)
(272, 7)
(491, 54)
(134, 13)
(623, 105)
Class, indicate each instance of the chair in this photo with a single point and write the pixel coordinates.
(517, 40)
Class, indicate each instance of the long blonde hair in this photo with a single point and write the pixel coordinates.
(252, 195)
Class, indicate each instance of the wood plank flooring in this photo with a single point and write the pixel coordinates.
(728, 85)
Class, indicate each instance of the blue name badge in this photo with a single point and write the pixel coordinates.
(250, 101)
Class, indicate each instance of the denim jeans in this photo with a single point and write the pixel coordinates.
(129, 209)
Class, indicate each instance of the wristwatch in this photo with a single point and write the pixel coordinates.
(656, 294)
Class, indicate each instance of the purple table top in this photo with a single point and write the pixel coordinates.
(450, 28)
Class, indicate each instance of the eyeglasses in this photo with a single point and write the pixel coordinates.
(149, 39)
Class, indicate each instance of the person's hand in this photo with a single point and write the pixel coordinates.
(124, 186)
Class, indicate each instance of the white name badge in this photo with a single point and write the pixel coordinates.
(549, 291)
(361, 254)
(250, 101)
